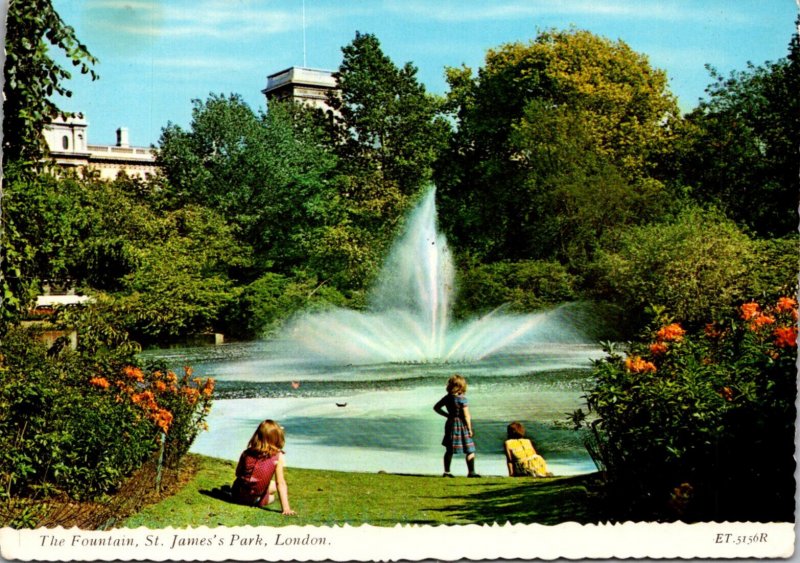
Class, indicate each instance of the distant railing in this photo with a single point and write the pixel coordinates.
(140, 153)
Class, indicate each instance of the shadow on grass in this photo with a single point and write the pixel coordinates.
(540, 501)
(222, 493)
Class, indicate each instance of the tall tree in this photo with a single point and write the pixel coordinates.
(387, 127)
(618, 103)
(742, 152)
(268, 174)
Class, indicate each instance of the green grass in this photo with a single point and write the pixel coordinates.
(380, 499)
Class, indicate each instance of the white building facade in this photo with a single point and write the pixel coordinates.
(68, 141)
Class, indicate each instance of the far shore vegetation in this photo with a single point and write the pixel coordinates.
(555, 183)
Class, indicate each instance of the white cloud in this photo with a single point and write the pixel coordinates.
(202, 19)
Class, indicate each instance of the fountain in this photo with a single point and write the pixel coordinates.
(354, 389)
(409, 317)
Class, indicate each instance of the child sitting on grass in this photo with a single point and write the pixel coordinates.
(521, 456)
(262, 460)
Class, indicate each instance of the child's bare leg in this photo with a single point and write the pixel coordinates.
(271, 492)
(471, 465)
(448, 459)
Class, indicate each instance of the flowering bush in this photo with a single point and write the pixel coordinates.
(177, 407)
(700, 426)
(80, 423)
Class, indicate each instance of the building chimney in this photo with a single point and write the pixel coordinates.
(122, 137)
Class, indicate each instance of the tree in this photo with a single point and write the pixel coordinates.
(387, 133)
(180, 283)
(31, 77)
(584, 85)
(385, 121)
(268, 174)
(741, 150)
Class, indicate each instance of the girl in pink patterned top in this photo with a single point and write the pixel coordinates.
(262, 460)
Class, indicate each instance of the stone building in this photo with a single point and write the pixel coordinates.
(305, 85)
(68, 141)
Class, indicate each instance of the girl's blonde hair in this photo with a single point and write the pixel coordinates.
(268, 438)
(456, 385)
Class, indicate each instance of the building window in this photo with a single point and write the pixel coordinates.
(65, 142)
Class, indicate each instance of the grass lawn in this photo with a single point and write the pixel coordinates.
(335, 497)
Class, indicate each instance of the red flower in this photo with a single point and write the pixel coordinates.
(786, 337)
(786, 304)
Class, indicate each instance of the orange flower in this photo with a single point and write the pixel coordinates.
(635, 364)
(171, 377)
(160, 386)
(726, 393)
(208, 387)
(191, 394)
(761, 320)
(786, 337)
(671, 333)
(658, 348)
(146, 399)
(786, 304)
(163, 419)
(188, 371)
(100, 382)
(750, 310)
(133, 373)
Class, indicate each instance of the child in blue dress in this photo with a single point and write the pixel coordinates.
(458, 428)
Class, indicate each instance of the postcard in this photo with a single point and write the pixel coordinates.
(350, 281)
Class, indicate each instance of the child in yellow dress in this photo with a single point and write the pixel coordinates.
(521, 456)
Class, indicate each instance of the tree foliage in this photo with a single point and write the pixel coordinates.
(385, 122)
(31, 78)
(269, 174)
(545, 127)
(694, 266)
(741, 149)
(387, 131)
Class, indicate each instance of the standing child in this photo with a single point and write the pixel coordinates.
(521, 456)
(262, 460)
(458, 428)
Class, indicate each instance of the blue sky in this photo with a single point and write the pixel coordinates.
(158, 55)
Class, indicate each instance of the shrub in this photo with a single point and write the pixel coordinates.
(522, 286)
(270, 300)
(695, 266)
(79, 421)
(700, 426)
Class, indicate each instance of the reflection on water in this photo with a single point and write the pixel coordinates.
(388, 423)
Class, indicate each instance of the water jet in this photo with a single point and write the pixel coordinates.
(409, 318)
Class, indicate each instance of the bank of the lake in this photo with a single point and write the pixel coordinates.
(324, 498)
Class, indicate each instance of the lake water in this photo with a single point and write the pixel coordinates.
(388, 423)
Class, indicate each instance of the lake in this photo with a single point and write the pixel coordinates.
(380, 417)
